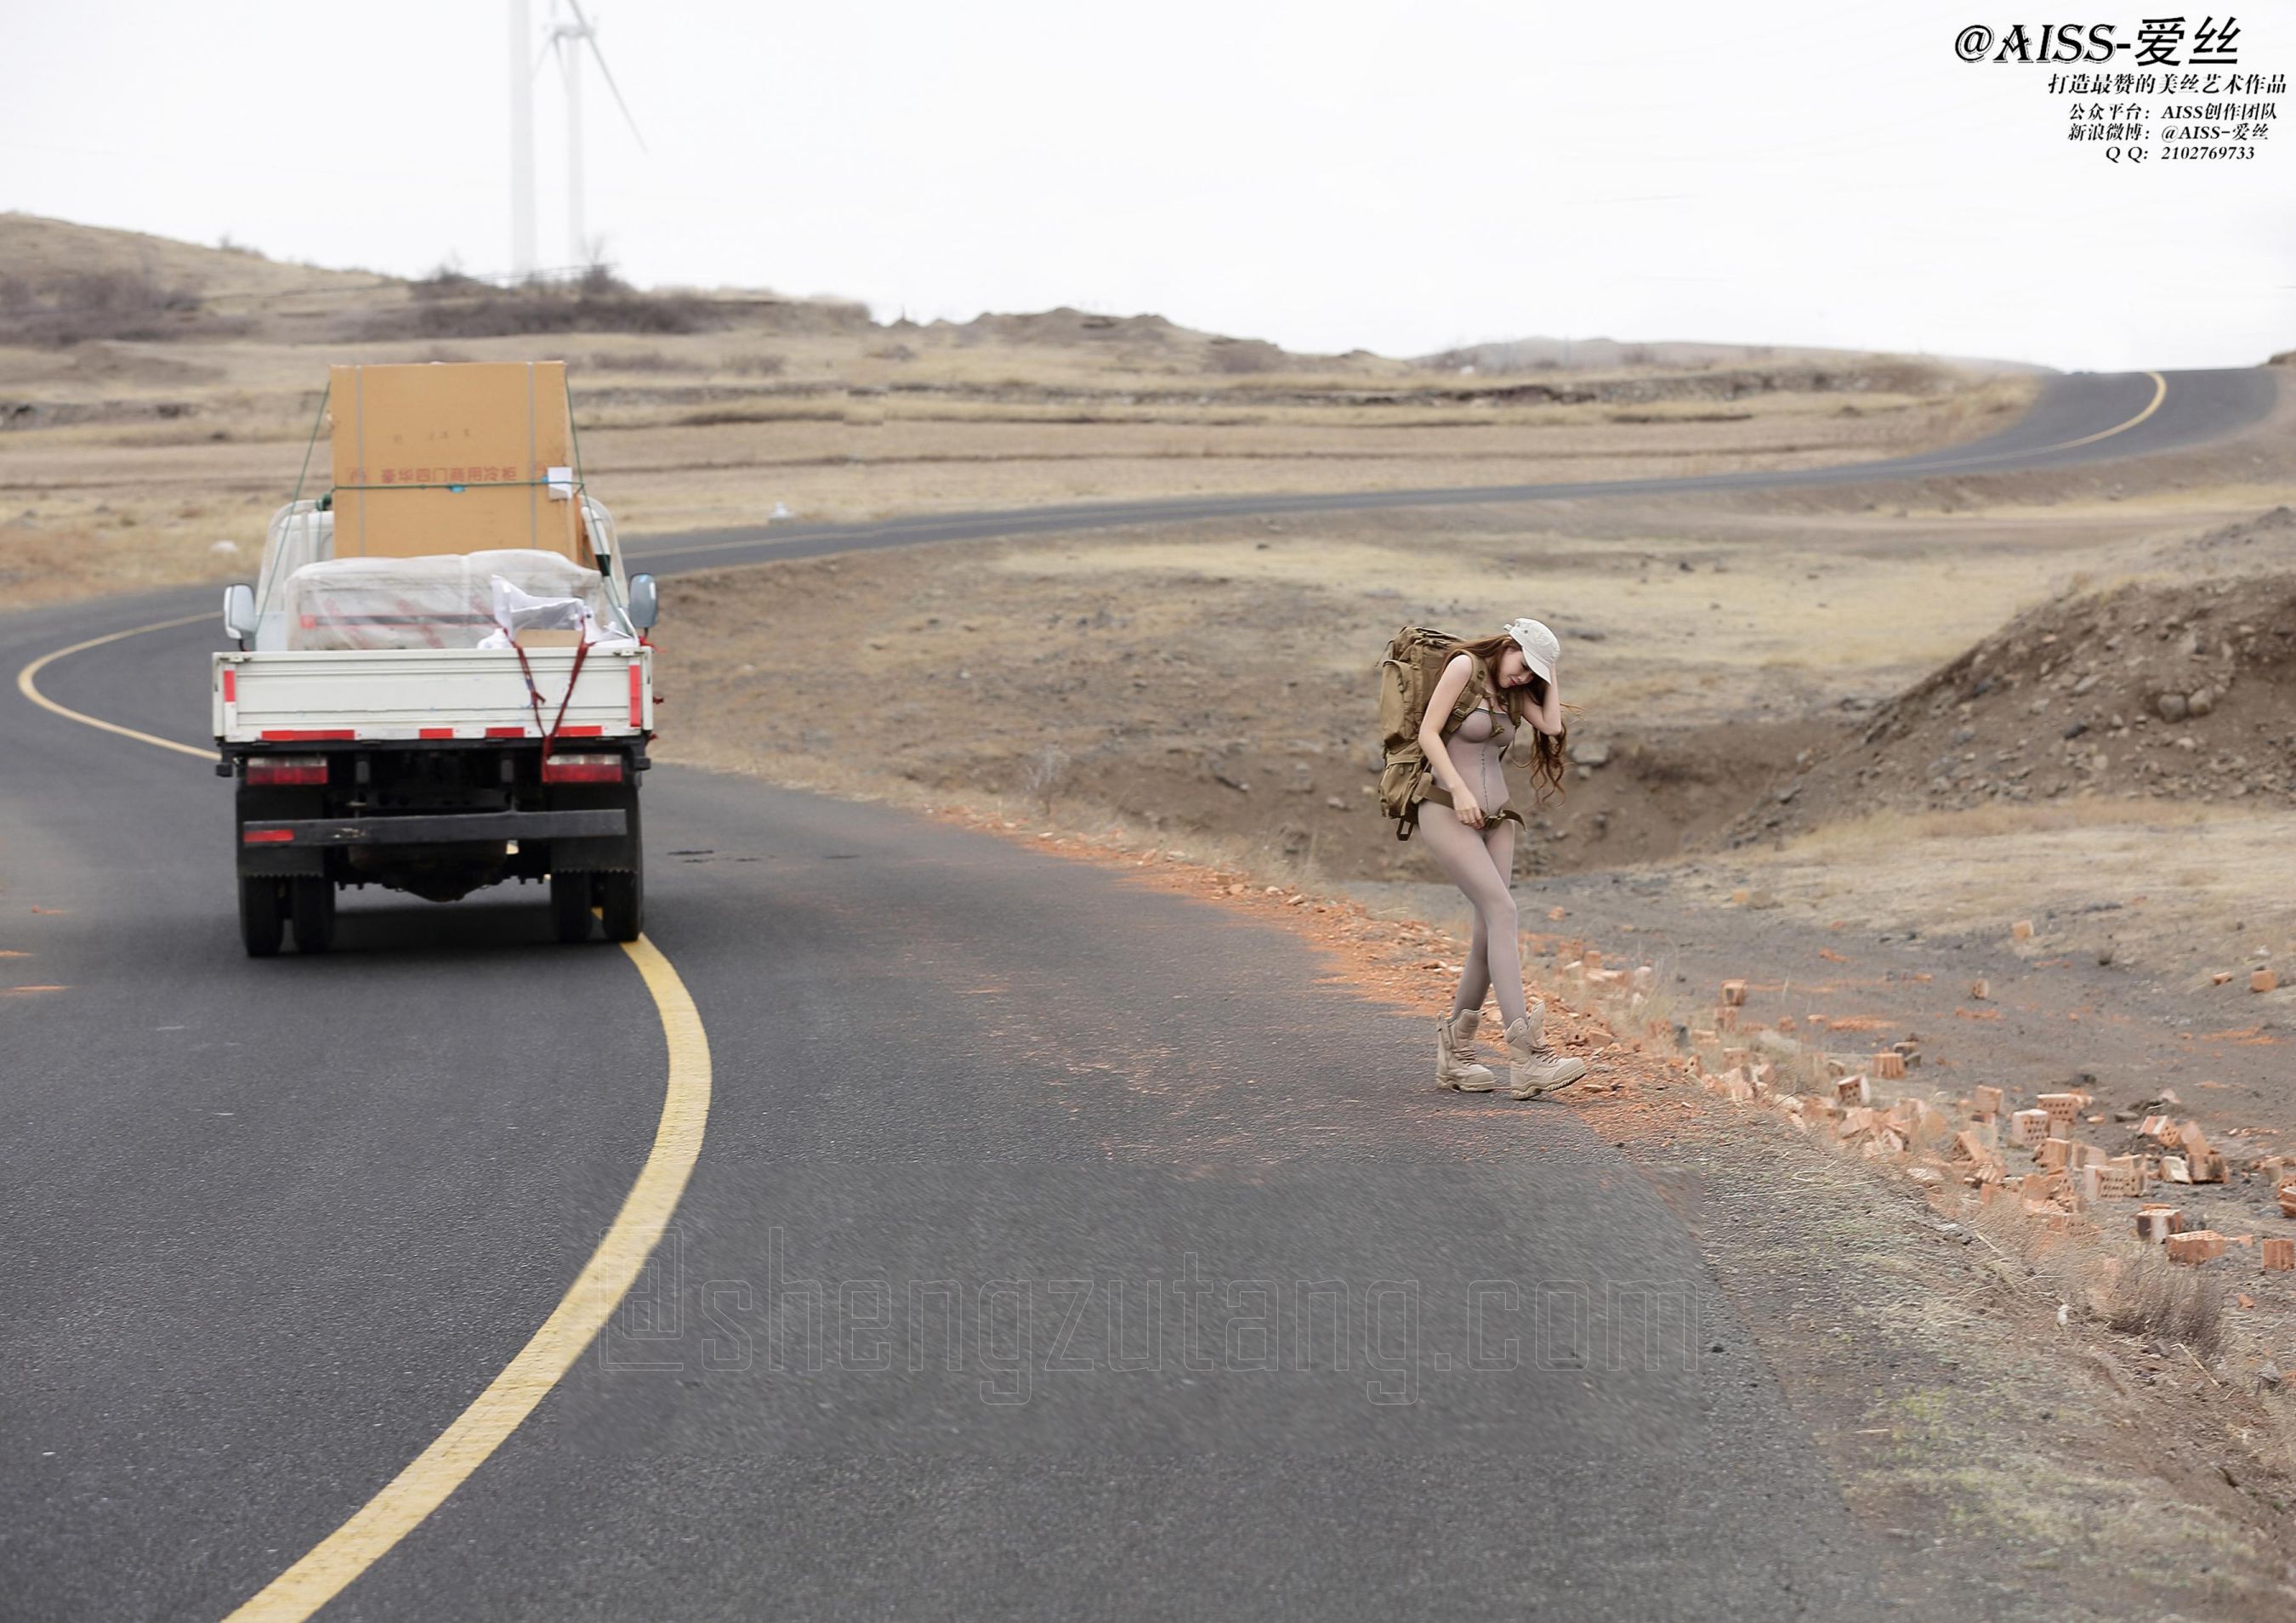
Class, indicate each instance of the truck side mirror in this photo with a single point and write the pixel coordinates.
(646, 605)
(239, 610)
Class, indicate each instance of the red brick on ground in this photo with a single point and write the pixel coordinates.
(2158, 1223)
(2063, 1110)
(2196, 1245)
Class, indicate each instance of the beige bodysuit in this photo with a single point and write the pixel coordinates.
(1478, 747)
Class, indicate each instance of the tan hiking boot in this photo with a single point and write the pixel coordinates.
(1536, 1068)
(1455, 1042)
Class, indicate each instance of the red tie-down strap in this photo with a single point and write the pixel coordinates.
(534, 693)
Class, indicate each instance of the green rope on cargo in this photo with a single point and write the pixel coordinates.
(574, 431)
(318, 420)
(581, 483)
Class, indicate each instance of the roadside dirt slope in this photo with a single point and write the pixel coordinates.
(2179, 690)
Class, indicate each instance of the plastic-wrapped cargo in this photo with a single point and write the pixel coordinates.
(597, 528)
(521, 617)
(443, 602)
(301, 533)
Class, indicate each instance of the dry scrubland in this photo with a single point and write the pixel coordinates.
(155, 399)
(1208, 685)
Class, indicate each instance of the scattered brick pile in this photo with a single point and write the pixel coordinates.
(2042, 1156)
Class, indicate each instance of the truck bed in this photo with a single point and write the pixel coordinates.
(428, 693)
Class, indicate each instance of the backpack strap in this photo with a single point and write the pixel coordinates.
(1472, 696)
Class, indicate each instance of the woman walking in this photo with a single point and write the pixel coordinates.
(1492, 689)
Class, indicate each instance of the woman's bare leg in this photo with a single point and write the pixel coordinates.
(1475, 974)
(1481, 862)
(1504, 965)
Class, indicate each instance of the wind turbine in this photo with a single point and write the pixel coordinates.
(521, 142)
(567, 39)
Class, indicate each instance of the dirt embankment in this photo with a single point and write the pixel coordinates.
(1217, 686)
(2181, 691)
(1211, 704)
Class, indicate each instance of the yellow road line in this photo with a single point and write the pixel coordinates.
(478, 1430)
(474, 1434)
(27, 685)
(2160, 393)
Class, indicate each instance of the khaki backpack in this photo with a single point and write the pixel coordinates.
(1414, 663)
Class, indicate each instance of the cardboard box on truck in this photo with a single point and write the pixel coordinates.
(460, 457)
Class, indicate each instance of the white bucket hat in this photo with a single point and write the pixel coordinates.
(1540, 649)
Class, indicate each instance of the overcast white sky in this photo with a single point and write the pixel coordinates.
(1401, 174)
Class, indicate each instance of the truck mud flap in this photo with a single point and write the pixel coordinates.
(450, 828)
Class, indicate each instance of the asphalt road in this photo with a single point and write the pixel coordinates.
(1057, 1249)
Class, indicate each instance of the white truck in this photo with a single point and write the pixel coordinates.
(434, 723)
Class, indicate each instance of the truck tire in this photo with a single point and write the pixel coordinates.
(569, 906)
(622, 903)
(313, 896)
(622, 896)
(261, 919)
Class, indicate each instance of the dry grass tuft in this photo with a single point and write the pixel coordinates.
(2147, 1295)
(2133, 1290)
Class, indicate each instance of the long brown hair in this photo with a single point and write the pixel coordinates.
(1549, 751)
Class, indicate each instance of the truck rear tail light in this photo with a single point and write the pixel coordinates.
(286, 769)
(581, 768)
(267, 836)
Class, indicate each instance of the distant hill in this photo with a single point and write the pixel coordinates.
(35, 248)
(1616, 355)
(62, 283)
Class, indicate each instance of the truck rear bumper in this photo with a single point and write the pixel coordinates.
(453, 828)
